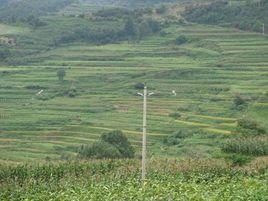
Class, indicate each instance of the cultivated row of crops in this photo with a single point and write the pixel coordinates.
(120, 180)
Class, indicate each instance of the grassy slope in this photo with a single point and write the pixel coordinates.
(205, 74)
(12, 30)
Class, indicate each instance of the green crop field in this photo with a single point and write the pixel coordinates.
(206, 74)
(118, 180)
(207, 120)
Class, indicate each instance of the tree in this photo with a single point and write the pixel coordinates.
(61, 74)
(154, 25)
(4, 53)
(139, 86)
(239, 102)
(181, 40)
(257, 26)
(144, 30)
(129, 28)
(99, 150)
(110, 145)
(161, 10)
(34, 21)
(120, 141)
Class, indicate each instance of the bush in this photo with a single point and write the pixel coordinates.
(256, 146)
(139, 86)
(111, 145)
(181, 40)
(245, 16)
(239, 102)
(174, 115)
(178, 136)
(4, 53)
(249, 126)
(61, 74)
(120, 141)
(34, 87)
(72, 92)
(99, 150)
(161, 10)
(239, 159)
(171, 140)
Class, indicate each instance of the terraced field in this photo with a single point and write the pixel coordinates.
(205, 73)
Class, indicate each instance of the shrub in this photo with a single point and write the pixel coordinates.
(61, 74)
(249, 126)
(139, 86)
(120, 141)
(239, 102)
(177, 137)
(110, 145)
(174, 115)
(161, 10)
(256, 146)
(33, 87)
(99, 150)
(181, 40)
(4, 53)
(72, 92)
(239, 159)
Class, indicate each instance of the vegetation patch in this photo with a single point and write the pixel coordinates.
(254, 146)
(249, 126)
(111, 145)
(177, 137)
(245, 15)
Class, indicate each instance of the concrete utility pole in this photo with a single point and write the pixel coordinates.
(143, 163)
(263, 29)
(144, 125)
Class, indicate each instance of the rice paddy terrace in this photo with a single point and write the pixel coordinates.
(205, 73)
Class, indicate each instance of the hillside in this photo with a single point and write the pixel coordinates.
(206, 72)
(71, 117)
(105, 56)
(245, 15)
(26, 10)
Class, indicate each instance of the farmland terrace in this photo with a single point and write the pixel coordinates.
(205, 72)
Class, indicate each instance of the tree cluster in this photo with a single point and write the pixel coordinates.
(4, 53)
(248, 16)
(110, 145)
(129, 30)
(29, 11)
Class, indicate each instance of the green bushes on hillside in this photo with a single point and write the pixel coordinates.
(4, 53)
(181, 40)
(175, 115)
(239, 102)
(99, 150)
(61, 74)
(177, 137)
(249, 126)
(255, 146)
(29, 10)
(110, 33)
(120, 141)
(246, 16)
(161, 9)
(110, 145)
